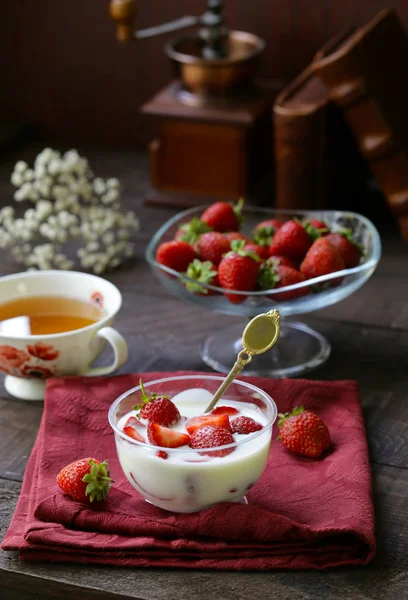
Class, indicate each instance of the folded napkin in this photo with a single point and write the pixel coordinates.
(301, 513)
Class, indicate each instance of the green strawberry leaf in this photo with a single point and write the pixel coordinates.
(193, 230)
(263, 235)
(98, 480)
(202, 272)
(267, 278)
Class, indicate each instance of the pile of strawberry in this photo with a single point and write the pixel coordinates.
(157, 416)
(211, 250)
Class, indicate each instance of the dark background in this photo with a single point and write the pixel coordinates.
(63, 70)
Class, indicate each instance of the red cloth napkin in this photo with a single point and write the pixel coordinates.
(300, 514)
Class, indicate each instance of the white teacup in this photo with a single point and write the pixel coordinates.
(29, 360)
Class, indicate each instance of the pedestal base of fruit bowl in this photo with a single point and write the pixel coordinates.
(298, 350)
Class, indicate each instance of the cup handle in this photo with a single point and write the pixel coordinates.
(120, 351)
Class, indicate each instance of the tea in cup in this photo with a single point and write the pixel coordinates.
(53, 324)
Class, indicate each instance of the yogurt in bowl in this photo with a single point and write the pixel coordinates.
(194, 476)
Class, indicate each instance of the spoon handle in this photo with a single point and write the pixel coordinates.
(244, 358)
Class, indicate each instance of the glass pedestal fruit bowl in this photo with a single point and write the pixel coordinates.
(189, 478)
(299, 348)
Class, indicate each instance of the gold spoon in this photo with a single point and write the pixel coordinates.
(261, 333)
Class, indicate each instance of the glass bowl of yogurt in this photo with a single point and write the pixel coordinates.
(192, 477)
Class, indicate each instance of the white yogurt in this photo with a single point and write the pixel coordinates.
(188, 480)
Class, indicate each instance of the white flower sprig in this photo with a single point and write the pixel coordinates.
(69, 204)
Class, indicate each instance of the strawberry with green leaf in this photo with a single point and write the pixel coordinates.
(265, 230)
(273, 276)
(316, 228)
(85, 480)
(302, 432)
(291, 240)
(238, 271)
(157, 408)
(350, 250)
(223, 216)
(192, 231)
(204, 273)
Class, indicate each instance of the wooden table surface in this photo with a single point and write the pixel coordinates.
(369, 336)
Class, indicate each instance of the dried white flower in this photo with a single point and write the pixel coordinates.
(70, 203)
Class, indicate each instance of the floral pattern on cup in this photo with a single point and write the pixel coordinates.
(43, 351)
(11, 359)
(20, 363)
(97, 298)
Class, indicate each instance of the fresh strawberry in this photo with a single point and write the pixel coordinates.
(157, 409)
(204, 273)
(238, 271)
(85, 480)
(223, 216)
(349, 250)
(273, 276)
(261, 251)
(321, 259)
(217, 420)
(304, 433)
(191, 232)
(265, 230)
(316, 228)
(285, 261)
(212, 437)
(236, 235)
(134, 429)
(291, 240)
(224, 410)
(245, 425)
(212, 246)
(175, 255)
(165, 437)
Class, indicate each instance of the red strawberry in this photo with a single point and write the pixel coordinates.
(321, 259)
(190, 232)
(157, 409)
(238, 270)
(291, 240)
(134, 429)
(217, 420)
(285, 261)
(236, 235)
(212, 437)
(223, 216)
(176, 255)
(261, 251)
(212, 246)
(304, 433)
(85, 480)
(316, 228)
(204, 273)
(348, 249)
(245, 425)
(165, 437)
(224, 410)
(162, 454)
(273, 277)
(265, 230)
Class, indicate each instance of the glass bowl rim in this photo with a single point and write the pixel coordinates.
(371, 263)
(184, 449)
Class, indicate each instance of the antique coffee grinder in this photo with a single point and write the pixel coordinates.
(215, 136)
